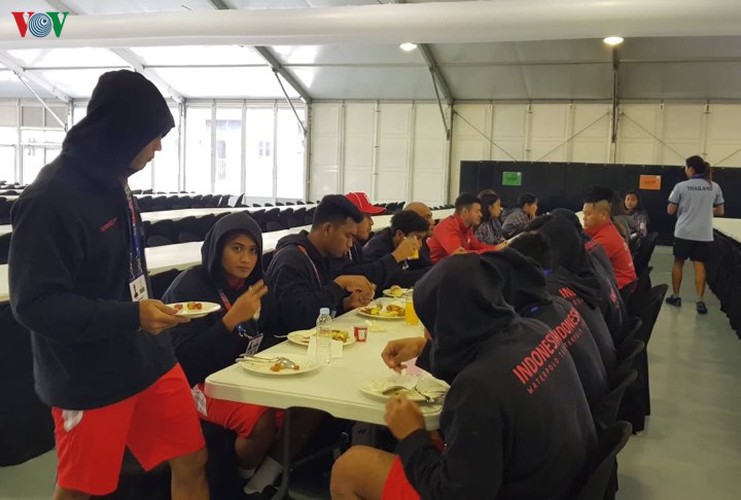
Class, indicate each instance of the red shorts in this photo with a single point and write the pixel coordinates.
(397, 486)
(157, 424)
(238, 417)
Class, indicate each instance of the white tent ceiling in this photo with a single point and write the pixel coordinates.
(667, 67)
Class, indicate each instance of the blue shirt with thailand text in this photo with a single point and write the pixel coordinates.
(695, 199)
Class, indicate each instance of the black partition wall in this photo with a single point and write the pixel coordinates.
(565, 184)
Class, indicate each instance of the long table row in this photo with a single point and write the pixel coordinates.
(184, 255)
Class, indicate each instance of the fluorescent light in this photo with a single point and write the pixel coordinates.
(613, 41)
(408, 47)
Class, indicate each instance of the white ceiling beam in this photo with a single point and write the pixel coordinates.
(16, 67)
(127, 55)
(432, 22)
(273, 61)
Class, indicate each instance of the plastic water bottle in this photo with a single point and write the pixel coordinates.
(323, 336)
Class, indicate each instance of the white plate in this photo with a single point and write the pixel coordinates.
(301, 337)
(383, 304)
(305, 365)
(388, 293)
(206, 309)
(425, 383)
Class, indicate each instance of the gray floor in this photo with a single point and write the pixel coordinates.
(691, 448)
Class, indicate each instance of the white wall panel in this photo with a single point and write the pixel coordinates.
(723, 145)
(429, 155)
(411, 149)
(359, 140)
(325, 152)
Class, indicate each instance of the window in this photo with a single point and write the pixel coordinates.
(290, 155)
(166, 163)
(7, 163)
(259, 130)
(198, 150)
(228, 177)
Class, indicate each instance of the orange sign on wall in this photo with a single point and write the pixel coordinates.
(650, 182)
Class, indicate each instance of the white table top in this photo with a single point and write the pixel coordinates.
(5, 229)
(729, 227)
(332, 388)
(9, 197)
(184, 255)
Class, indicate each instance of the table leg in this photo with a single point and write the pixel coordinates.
(286, 476)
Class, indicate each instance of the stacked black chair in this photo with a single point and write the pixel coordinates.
(161, 282)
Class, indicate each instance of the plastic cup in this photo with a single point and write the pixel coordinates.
(409, 313)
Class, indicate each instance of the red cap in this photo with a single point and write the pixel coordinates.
(361, 201)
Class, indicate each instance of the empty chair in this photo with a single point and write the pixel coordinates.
(167, 228)
(159, 241)
(279, 204)
(643, 283)
(4, 247)
(187, 237)
(144, 203)
(298, 218)
(187, 225)
(207, 200)
(600, 482)
(630, 329)
(223, 202)
(274, 226)
(175, 202)
(284, 217)
(645, 251)
(161, 281)
(627, 355)
(4, 211)
(204, 224)
(196, 201)
(637, 403)
(289, 203)
(605, 413)
(159, 204)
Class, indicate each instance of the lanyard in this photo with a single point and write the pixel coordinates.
(316, 271)
(136, 248)
(228, 305)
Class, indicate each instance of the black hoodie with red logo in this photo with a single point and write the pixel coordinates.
(69, 255)
(515, 421)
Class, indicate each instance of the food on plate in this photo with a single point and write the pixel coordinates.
(177, 307)
(340, 335)
(397, 291)
(390, 311)
(277, 367)
(194, 306)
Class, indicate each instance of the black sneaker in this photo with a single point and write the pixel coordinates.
(702, 308)
(674, 301)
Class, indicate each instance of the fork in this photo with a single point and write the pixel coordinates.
(427, 397)
(284, 362)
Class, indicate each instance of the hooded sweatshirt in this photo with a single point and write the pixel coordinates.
(69, 257)
(380, 247)
(525, 290)
(300, 279)
(204, 345)
(514, 428)
(573, 267)
(377, 271)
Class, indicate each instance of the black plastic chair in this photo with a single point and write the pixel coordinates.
(158, 241)
(161, 282)
(187, 237)
(274, 226)
(204, 224)
(600, 483)
(167, 228)
(645, 251)
(5, 247)
(605, 413)
(631, 327)
(627, 355)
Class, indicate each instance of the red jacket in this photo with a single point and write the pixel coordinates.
(617, 249)
(451, 234)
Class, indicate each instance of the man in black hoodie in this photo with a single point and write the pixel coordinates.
(560, 282)
(77, 270)
(300, 274)
(231, 275)
(405, 224)
(379, 271)
(508, 376)
(525, 290)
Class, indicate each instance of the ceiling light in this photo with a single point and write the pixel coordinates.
(408, 47)
(613, 41)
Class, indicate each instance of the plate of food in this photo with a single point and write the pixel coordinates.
(301, 337)
(383, 310)
(194, 309)
(279, 364)
(396, 292)
(419, 388)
